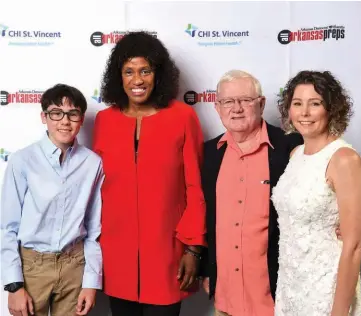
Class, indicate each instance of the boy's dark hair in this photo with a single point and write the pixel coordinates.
(140, 44)
(56, 94)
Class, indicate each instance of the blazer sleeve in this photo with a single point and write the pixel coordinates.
(191, 227)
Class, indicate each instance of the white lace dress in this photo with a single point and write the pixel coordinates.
(309, 249)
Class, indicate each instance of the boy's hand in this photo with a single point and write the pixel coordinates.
(86, 301)
(20, 303)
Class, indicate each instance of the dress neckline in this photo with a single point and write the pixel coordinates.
(143, 117)
(320, 151)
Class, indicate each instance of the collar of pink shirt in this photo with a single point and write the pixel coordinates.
(264, 139)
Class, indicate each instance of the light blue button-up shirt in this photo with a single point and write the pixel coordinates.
(48, 207)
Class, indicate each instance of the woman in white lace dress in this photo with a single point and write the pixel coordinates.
(320, 189)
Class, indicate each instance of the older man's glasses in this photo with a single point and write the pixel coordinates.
(230, 102)
(58, 115)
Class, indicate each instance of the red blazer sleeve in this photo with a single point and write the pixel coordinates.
(191, 228)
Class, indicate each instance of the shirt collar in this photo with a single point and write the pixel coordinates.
(72, 149)
(50, 148)
(264, 139)
(225, 138)
(264, 135)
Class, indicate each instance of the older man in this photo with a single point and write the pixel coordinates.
(240, 169)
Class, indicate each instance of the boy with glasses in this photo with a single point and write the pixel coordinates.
(50, 216)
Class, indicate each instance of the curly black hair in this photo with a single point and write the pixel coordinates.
(140, 44)
(335, 99)
(55, 95)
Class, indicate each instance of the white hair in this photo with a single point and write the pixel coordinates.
(237, 74)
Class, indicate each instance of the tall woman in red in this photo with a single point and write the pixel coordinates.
(153, 214)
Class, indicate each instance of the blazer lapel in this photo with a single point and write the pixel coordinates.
(219, 157)
(274, 174)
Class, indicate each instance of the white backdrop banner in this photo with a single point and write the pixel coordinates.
(46, 42)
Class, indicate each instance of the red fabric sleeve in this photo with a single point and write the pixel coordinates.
(191, 228)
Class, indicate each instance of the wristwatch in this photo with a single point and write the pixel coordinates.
(13, 287)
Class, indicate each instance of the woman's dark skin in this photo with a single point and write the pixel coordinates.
(138, 83)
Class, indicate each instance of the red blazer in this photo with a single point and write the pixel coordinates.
(152, 206)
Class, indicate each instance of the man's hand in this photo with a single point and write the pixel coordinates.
(187, 272)
(86, 301)
(206, 285)
(20, 303)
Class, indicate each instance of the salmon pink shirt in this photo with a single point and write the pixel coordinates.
(243, 199)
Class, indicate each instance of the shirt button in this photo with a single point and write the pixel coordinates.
(241, 179)
(236, 269)
(240, 201)
(236, 246)
(237, 224)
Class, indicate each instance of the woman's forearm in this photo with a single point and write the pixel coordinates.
(347, 277)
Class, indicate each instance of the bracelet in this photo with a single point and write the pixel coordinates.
(193, 253)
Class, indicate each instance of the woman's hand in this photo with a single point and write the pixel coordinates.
(188, 268)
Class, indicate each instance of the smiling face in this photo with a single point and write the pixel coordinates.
(307, 113)
(63, 132)
(138, 80)
(245, 116)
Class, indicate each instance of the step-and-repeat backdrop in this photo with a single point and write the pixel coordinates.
(47, 42)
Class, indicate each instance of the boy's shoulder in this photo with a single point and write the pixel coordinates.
(23, 154)
(89, 153)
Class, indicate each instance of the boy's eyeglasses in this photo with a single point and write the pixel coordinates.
(57, 115)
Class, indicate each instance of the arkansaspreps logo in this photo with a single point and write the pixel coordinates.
(312, 34)
(22, 96)
(18, 37)
(4, 155)
(100, 39)
(216, 37)
(192, 97)
(97, 97)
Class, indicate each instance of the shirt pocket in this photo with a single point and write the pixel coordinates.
(263, 197)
